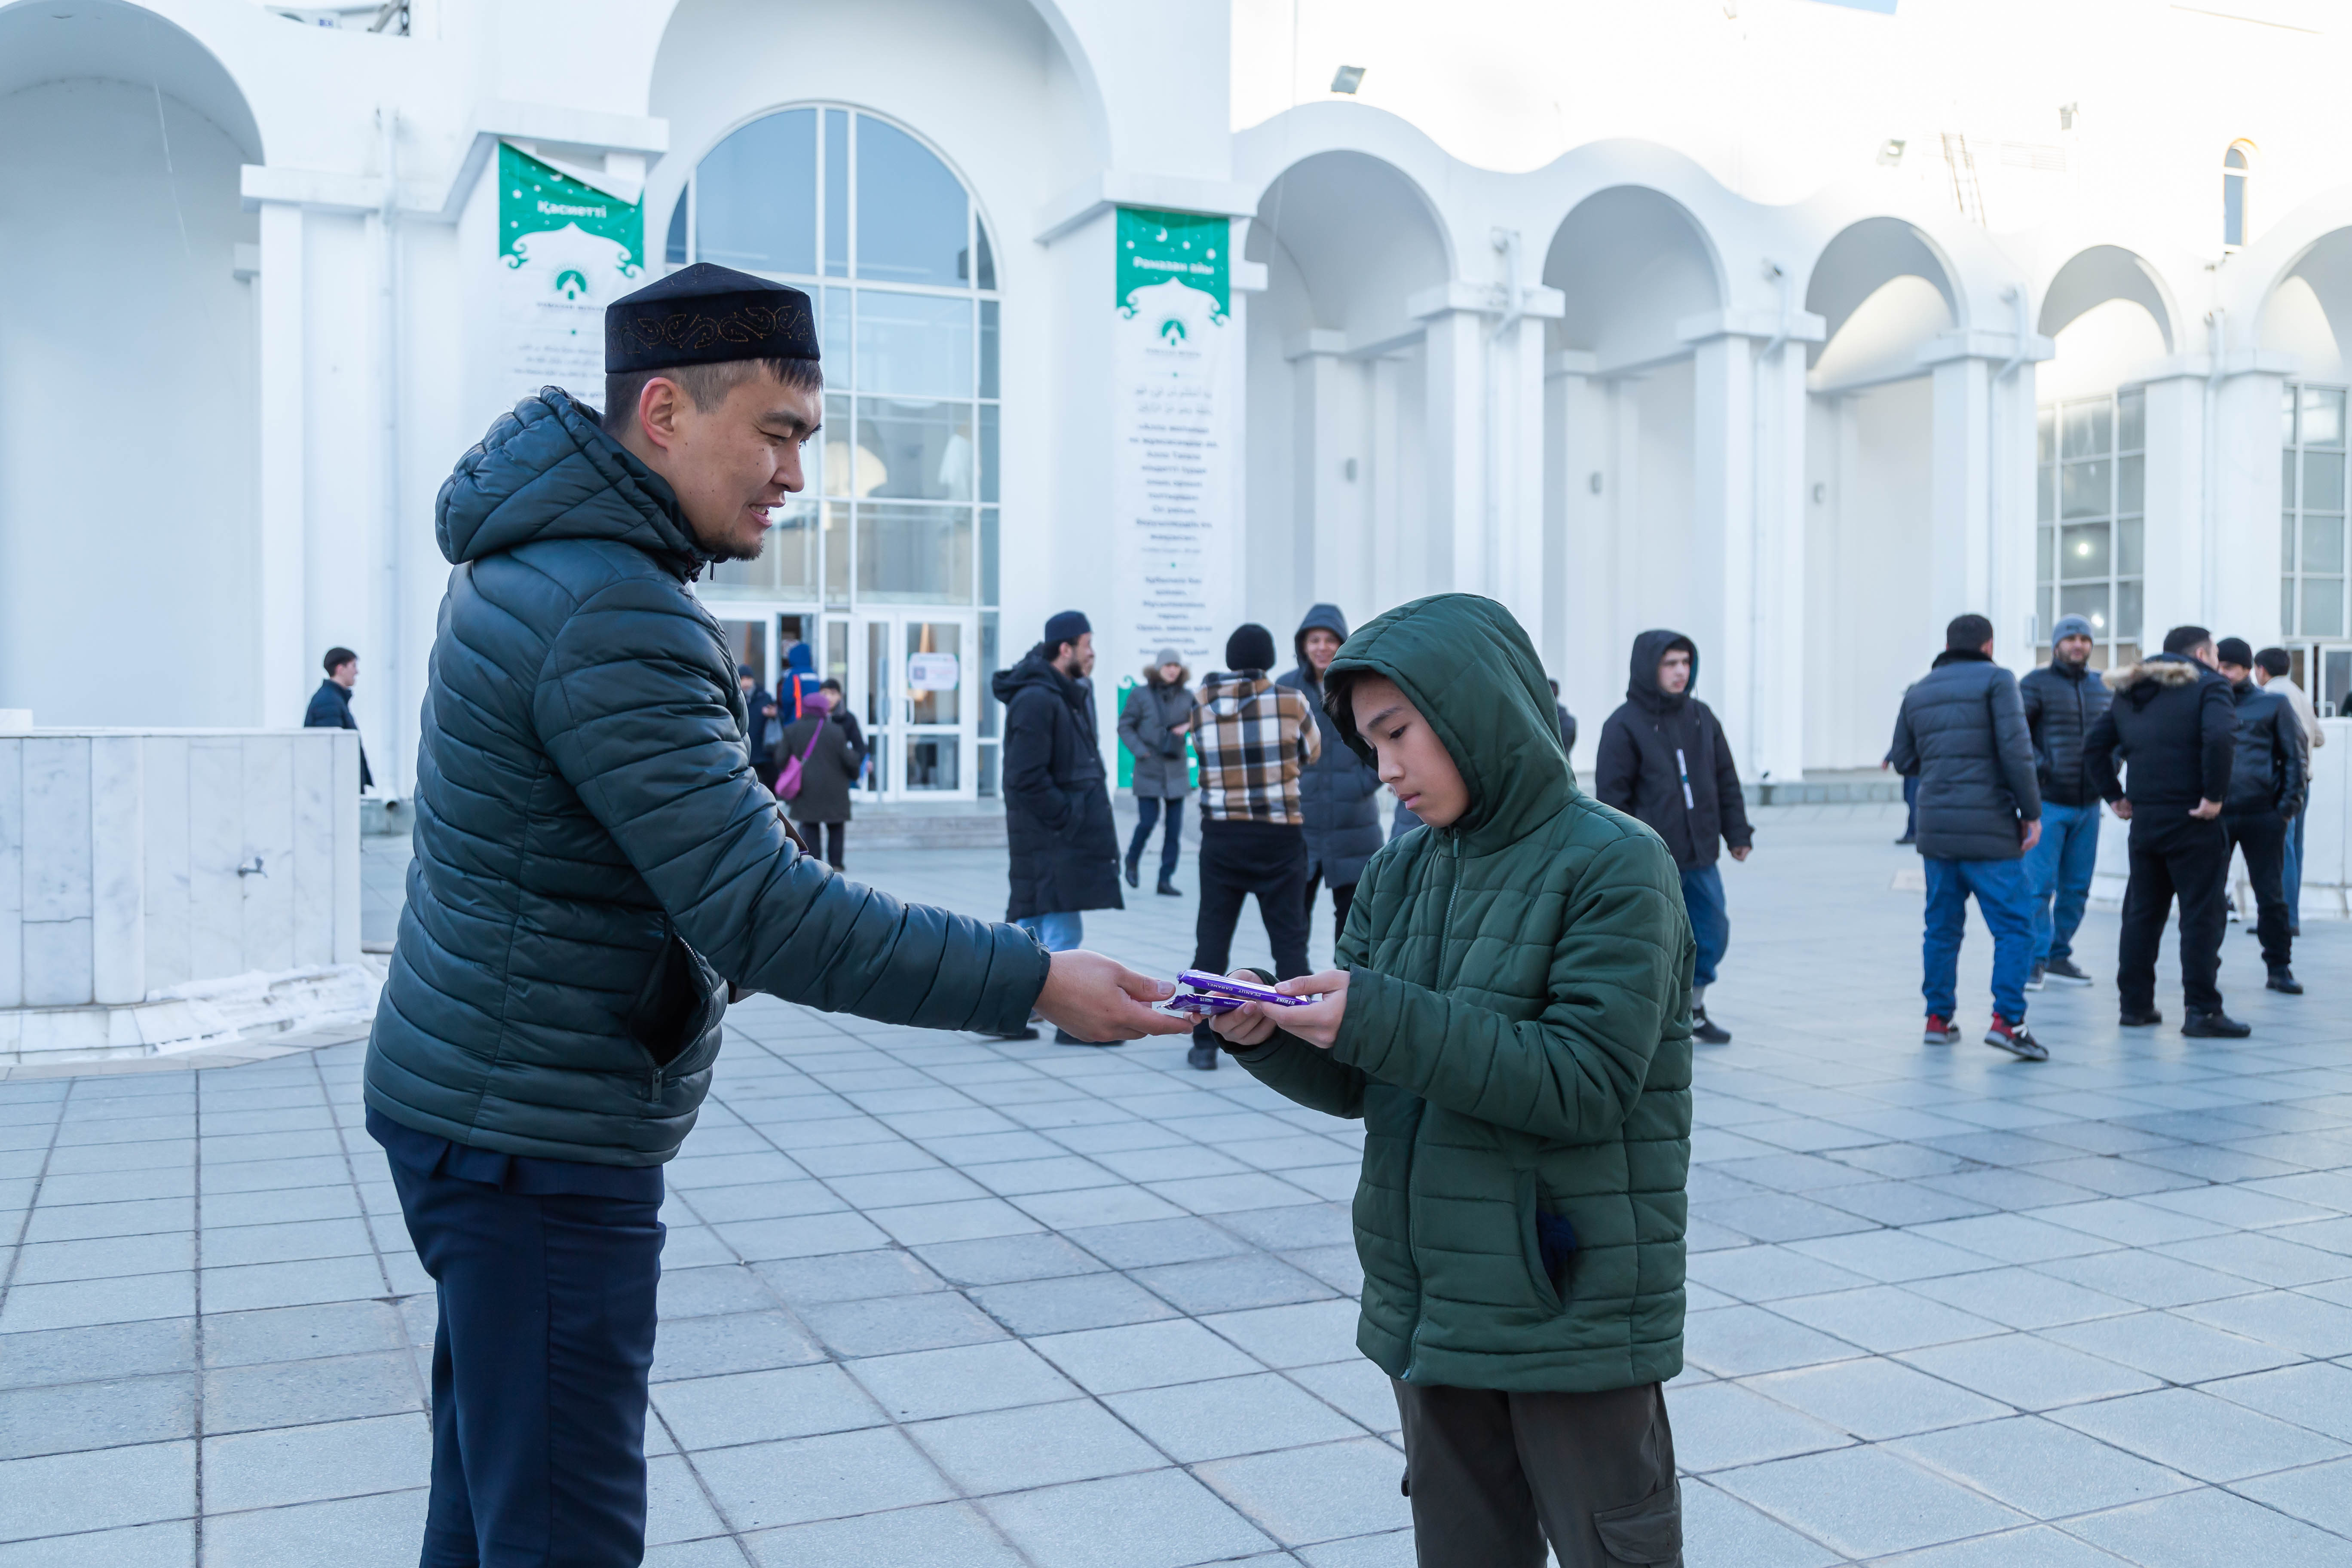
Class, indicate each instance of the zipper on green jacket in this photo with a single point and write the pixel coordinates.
(1444, 934)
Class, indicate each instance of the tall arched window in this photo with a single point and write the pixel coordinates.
(2237, 167)
(890, 245)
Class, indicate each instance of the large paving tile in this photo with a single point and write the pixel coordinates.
(2021, 1298)
(763, 1406)
(1718, 1528)
(764, 1485)
(2199, 1435)
(1867, 1501)
(2039, 1546)
(1061, 1306)
(2040, 1468)
(1161, 1519)
(301, 1393)
(1299, 1335)
(103, 1489)
(943, 1534)
(2171, 1347)
(1885, 1317)
(1144, 1355)
(2210, 1529)
(1735, 1342)
(2029, 1371)
(1875, 1398)
(103, 1350)
(299, 1334)
(739, 1341)
(2316, 1394)
(170, 1545)
(79, 1303)
(923, 1384)
(1720, 1425)
(1769, 1272)
(377, 1531)
(1319, 1492)
(308, 1463)
(899, 1323)
(1033, 1446)
(1224, 1417)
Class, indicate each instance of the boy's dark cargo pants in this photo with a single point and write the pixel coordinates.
(1492, 1475)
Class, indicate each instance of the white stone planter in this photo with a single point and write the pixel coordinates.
(163, 888)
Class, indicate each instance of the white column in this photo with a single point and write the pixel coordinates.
(2242, 532)
(1386, 585)
(1960, 495)
(285, 667)
(2173, 536)
(1455, 449)
(1516, 572)
(1723, 535)
(1778, 623)
(1329, 475)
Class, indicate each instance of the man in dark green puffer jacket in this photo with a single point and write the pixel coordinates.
(1511, 1019)
(596, 865)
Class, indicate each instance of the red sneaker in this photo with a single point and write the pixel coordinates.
(1941, 1031)
(2014, 1038)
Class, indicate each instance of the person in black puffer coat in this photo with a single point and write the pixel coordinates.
(2172, 720)
(596, 869)
(1338, 792)
(1057, 823)
(1662, 758)
(2267, 790)
(2062, 700)
(1962, 731)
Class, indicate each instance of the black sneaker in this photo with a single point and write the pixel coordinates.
(1168, 888)
(1134, 872)
(1201, 1057)
(1063, 1037)
(2131, 1020)
(1908, 838)
(2034, 981)
(2283, 979)
(1705, 1031)
(2016, 1039)
(2214, 1026)
(2066, 970)
(1023, 1033)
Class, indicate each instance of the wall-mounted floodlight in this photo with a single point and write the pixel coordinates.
(1348, 79)
(1890, 152)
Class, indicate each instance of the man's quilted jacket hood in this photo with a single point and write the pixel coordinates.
(1517, 1041)
(595, 858)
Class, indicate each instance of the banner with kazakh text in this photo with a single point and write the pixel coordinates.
(566, 250)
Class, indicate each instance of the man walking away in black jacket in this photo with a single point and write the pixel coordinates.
(1663, 759)
(1057, 825)
(2062, 700)
(2268, 787)
(1962, 731)
(1338, 792)
(2172, 720)
(330, 705)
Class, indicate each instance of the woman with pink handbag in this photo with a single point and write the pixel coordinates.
(817, 760)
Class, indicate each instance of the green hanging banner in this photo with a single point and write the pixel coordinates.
(567, 250)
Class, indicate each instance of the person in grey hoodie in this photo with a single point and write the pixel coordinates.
(1338, 791)
(1153, 726)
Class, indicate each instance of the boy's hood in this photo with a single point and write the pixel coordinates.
(1467, 665)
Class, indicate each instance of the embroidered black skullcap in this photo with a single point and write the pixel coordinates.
(706, 315)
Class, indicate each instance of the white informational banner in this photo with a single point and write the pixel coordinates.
(933, 671)
(566, 250)
(1178, 364)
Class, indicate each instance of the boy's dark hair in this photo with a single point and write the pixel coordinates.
(830, 685)
(1969, 632)
(2183, 639)
(338, 657)
(705, 385)
(2273, 662)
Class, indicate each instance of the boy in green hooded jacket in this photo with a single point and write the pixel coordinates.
(1510, 1018)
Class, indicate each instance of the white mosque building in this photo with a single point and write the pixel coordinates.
(1797, 326)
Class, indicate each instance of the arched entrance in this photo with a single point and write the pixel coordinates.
(128, 452)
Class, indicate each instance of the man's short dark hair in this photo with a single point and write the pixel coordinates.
(2186, 639)
(830, 685)
(338, 657)
(705, 385)
(2273, 662)
(1968, 632)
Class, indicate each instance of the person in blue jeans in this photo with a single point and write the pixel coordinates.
(2062, 700)
(2272, 667)
(1962, 733)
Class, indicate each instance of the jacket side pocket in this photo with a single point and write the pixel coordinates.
(1542, 1273)
(1649, 1531)
(681, 999)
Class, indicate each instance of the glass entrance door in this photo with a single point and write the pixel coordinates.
(913, 685)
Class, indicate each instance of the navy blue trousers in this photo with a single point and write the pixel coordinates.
(540, 1362)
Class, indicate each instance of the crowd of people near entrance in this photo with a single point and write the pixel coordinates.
(2204, 749)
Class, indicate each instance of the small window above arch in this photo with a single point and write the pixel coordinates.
(2237, 169)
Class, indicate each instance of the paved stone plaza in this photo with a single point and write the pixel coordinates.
(931, 1299)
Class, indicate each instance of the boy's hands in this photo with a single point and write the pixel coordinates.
(1318, 1023)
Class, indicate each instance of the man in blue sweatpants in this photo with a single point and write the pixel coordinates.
(1962, 731)
(2062, 700)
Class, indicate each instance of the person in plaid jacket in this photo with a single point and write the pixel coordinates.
(1253, 737)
